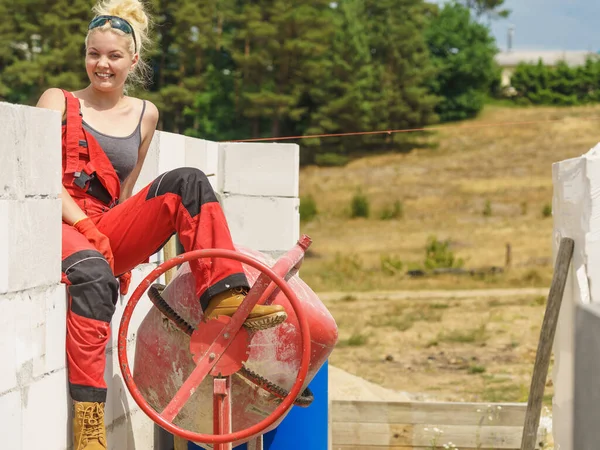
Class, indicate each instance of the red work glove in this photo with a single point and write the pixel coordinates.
(124, 281)
(97, 239)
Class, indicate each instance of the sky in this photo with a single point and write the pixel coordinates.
(550, 25)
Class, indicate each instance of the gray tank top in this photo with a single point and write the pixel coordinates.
(121, 151)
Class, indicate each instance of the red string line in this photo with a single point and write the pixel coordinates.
(413, 130)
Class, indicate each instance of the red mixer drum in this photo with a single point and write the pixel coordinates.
(163, 360)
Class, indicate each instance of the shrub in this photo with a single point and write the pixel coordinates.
(564, 85)
(438, 255)
(395, 212)
(331, 160)
(547, 211)
(359, 207)
(308, 208)
(391, 265)
(342, 268)
(487, 209)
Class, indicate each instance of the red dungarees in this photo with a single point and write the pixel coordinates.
(181, 201)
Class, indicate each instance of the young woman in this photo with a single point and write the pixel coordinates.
(107, 231)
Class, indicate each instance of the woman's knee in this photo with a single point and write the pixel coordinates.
(93, 288)
(190, 184)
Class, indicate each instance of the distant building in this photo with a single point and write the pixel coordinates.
(509, 60)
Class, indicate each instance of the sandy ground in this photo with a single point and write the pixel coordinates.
(474, 346)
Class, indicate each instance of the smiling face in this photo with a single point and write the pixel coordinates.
(108, 60)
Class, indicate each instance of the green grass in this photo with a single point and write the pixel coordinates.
(356, 340)
(477, 335)
(403, 320)
(475, 369)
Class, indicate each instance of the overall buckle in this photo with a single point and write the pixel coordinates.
(81, 179)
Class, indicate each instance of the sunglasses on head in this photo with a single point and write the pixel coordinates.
(115, 22)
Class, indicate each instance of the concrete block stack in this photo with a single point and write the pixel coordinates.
(259, 185)
(576, 211)
(32, 300)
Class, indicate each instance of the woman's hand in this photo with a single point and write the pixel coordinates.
(101, 242)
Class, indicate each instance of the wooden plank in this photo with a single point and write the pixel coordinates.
(395, 447)
(544, 350)
(376, 434)
(445, 413)
(180, 443)
(170, 251)
(256, 443)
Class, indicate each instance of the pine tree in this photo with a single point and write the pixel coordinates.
(402, 66)
(278, 47)
(42, 49)
(185, 39)
(340, 97)
(213, 111)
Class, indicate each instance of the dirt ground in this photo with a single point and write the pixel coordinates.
(444, 346)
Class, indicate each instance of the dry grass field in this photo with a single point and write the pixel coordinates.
(478, 188)
(481, 188)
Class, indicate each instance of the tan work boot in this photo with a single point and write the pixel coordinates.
(88, 426)
(260, 318)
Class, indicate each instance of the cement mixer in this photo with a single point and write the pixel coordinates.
(214, 382)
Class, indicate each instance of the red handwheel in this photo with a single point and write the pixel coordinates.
(205, 363)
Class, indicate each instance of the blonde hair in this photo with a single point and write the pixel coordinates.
(134, 12)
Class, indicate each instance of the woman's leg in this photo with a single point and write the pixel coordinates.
(184, 202)
(93, 291)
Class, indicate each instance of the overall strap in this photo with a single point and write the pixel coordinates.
(95, 166)
(73, 132)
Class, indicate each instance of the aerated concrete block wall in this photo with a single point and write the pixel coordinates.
(576, 210)
(258, 187)
(32, 300)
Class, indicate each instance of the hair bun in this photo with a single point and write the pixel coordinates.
(133, 11)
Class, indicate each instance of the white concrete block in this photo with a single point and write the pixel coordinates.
(30, 160)
(30, 240)
(56, 329)
(156, 258)
(119, 400)
(32, 337)
(149, 170)
(576, 205)
(11, 427)
(587, 364)
(131, 432)
(203, 155)
(263, 223)
(45, 413)
(6, 233)
(260, 169)
(27, 341)
(8, 343)
(118, 395)
(171, 154)
(144, 305)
